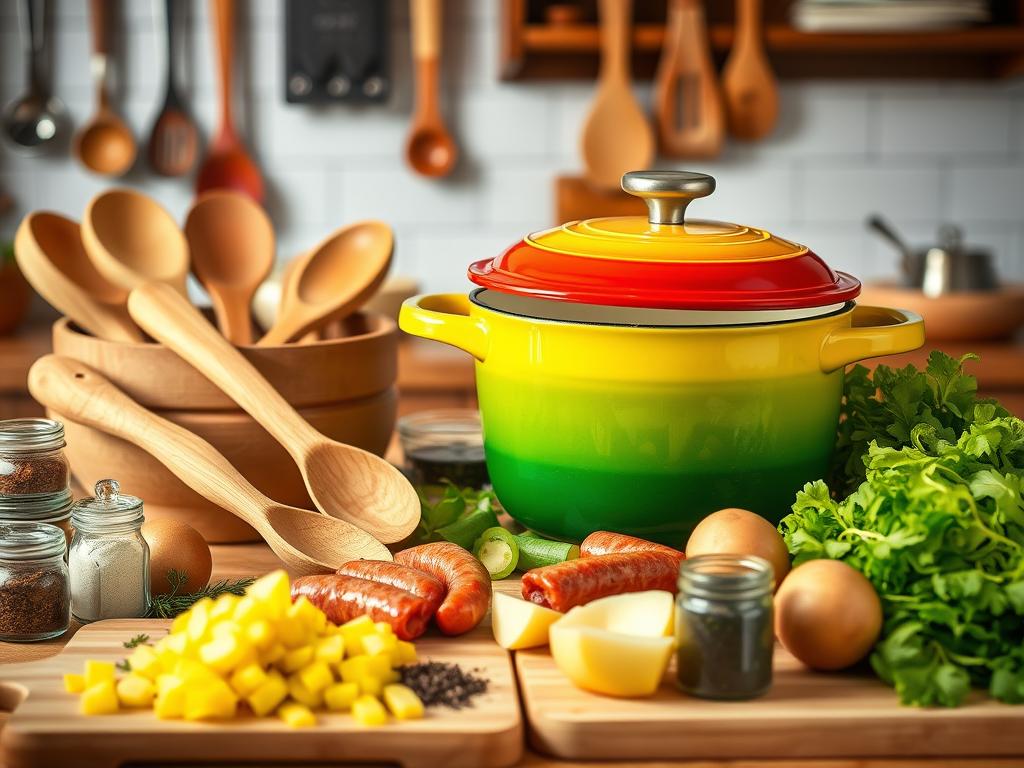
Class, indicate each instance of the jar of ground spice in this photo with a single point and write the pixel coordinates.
(35, 595)
(109, 559)
(32, 460)
(52, 508)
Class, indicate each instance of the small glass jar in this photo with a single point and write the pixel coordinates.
(32, 461)
(444, 445)
(109, 559)
(35, 595)
(52, 508)
(724, 629)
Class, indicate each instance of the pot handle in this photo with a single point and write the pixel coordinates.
(876, 331)
(445, 317)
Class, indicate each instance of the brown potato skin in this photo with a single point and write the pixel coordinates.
(740, 532)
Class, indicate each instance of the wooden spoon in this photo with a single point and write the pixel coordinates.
(343, 481)
(305, 541)
(751, 93)
(616, 136)
(232, 245)
(132, 240)
(105, 145)
(691, 115)
(49, 251)
(333, 280)
(429, 149)
(174, 141)
(227, 165)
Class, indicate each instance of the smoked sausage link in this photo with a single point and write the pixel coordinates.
(608, 543)
(577, 582)
(420, 583)
(344, 598)
(467, 582)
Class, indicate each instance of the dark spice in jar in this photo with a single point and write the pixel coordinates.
(28, 475)
(440, 683)
(35, 603)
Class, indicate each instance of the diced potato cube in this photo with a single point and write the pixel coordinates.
(296, 715)
(99, 699)
(224, 606)
(316, 676)
(223, 653)
(298, 691)
(354, 631)
(379, 666)
(260, 633)
(383, 628)
(354, 668)
(178, 645)
(404, 653)
(145, 662)
(247, 679)
(368, 711)
(339, 697)
(135, 691)
(297, 659)
(306, 612)
(248, 610)
(293, 633)
(74, 683)
(273, 591)
(370, 685)
(403, 702)
(377, 644)
(98, 672)
(179, 623)
(267, 696)
(199, 620)
(210, 699)
(192, 670)
(225, 628)
(330, 649)
(170, 697)
(273, 654)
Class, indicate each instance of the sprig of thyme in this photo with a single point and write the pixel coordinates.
(136, 641)
(170, 605)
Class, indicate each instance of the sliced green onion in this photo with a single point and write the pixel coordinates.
(535, 552)
(498, 550)
(467, 529)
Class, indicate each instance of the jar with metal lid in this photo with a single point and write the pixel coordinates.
(109, 558)
(35, 596)
(724, 630)
(32, 460)
(52, 508)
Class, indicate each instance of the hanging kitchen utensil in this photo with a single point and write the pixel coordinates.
(337, 51)
(887, 231)
(430, 149)
(616, 135)
(174, 139)
(691, 115)
(751, 93)
(227, 164)
(37, 121)
(105, 144)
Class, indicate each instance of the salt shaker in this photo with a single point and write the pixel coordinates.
(109, 558)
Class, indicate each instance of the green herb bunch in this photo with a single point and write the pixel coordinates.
(938, 529)
(460, 515)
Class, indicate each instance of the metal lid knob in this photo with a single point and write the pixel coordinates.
(667, 193)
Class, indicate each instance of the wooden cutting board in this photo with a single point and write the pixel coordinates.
(805, 715)
(46, 729)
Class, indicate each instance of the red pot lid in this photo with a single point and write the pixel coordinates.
(664, 261)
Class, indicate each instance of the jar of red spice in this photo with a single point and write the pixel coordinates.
(32, 461)
(35, 593)
(52, 508)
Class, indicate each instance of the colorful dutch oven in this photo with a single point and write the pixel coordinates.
(637, 374)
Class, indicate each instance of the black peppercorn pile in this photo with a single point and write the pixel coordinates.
(438, 683)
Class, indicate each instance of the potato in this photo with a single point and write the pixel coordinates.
(739, 532)
(519, 624)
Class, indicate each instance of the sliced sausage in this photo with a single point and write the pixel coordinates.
(577, 582)
(465, 578)
(608, 543)
(344, 598)
(419, 583)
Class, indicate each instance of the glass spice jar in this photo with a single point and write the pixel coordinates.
(724, 628)
(52, 508)
(444, 445)
(109, 558)
(32, 460)
(35, 595)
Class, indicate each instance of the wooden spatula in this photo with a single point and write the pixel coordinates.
(751, 93)
(691, 115)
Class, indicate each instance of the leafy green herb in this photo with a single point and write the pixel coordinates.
(170, 605)
(446, 518)
(123, 665)
(137, 641)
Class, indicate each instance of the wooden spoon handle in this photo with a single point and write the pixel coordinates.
(168, 317)
(426, 51)
(233, 313)
(76, 391)
(100, 28)
(223, 12)
(615, 17)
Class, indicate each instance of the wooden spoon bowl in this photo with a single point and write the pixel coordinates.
(431, 151)
(105, 145)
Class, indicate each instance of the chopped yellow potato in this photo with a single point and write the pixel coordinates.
(296, 659)
(247, 610)
(330, 649)
(144, 661)
(404, 653)
(98, 672)
(189, 669)
(224, 606)
(99, 699)
(403, 702)
(298, 691)
(370, 685)
(296, 715)
(377, 644)
(267, 696)
(354, 631)
(367, 710)
(261, 634)
(74, 683)
(383, 628)
(273, 591)
(316, 676)
(199, 620)
(340, 696)
(135, 691)
(273, 654)
(170, 697)
(210, 699)
(247, 679)
(223, 653)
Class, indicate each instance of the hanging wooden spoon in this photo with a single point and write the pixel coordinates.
(616, 136)
(49, 251)
(343, 481)
(305, 541)
(332, 281)
(691, 116)
(105, 145)
(174, 141)
(430, 149)
(751, 93)
(231, 242)
(132, 240)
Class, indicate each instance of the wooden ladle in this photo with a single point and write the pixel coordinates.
(132, 240)
(231, 242)
(430, 149)
(49, 251)
(617, 136)
(305, 541)
(342, 480)
(332, 280)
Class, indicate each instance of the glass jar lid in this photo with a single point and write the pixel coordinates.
(31, 541)
(665, 261)
(39, 507)
(109, 508)
(726, 577)
(31, 435)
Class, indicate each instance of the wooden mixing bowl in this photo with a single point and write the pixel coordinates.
(345, 387)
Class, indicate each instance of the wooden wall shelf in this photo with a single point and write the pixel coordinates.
(532, 49)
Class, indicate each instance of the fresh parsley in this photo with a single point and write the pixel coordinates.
(441, 518)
